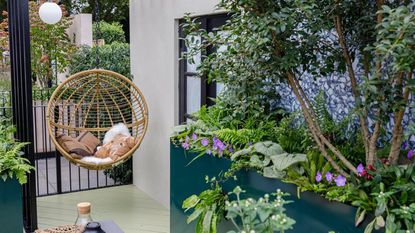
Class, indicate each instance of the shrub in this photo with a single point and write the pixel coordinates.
(49, 44)
(11, 162)
(114, 57)
(110, 32)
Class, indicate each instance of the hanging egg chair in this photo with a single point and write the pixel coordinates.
(93, 102)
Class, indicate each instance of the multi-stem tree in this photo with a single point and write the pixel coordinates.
(372, 41)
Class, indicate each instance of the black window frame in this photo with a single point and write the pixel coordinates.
(208, 89)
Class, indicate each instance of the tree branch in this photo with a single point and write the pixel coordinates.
(353, 81)
(398, 129)
(314, 131)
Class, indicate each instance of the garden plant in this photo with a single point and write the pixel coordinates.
(51, 48)
(12, 164)
(364, 157)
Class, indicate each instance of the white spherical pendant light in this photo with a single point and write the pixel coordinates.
(50, 13)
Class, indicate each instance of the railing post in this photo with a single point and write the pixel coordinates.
(19, 37)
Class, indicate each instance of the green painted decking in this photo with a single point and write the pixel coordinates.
(132, 210)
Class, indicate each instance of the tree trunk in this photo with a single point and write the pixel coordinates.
(313, 130)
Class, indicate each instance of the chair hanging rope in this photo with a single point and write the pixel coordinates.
(85, 107)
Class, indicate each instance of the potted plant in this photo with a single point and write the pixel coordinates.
(13, 171)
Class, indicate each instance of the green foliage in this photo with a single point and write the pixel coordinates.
(5, 83)
(11, 163)
(208, 208)
(248, 86)
(268, 42)
(114, 57)
(305, 179)
(292, 134)
(110, 32)
(121, 174)
(51, 47)
(109, 10)
(391, 195)
(261, 216)
(269, 158)
(348, 141)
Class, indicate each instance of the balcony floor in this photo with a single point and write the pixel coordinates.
(132, 210)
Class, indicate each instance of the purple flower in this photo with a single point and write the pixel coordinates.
(218, 145)
(204, 142)
(230, 148)
(404, 145)
(329, 177)
(319, 176)
(185, 145)
(194, 137)
(410, 154)
(360, 168)
(340, 181)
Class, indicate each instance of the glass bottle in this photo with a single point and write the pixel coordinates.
(84, 214)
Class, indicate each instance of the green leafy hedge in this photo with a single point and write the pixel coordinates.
(110, 32)
(114, 57)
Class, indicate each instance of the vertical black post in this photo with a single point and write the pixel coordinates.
(19, 36)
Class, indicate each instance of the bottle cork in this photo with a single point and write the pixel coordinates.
(84, 207)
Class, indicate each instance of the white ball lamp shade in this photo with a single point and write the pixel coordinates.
(50, 13)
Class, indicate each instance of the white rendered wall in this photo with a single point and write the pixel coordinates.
(154, 61)
(80, 32)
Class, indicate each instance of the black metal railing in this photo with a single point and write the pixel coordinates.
(55, 175)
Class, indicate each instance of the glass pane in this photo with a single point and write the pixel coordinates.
(193, 94)
(219, 88)
(195, 60)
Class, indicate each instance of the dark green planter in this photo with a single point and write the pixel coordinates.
(11, 210)
(313, 214)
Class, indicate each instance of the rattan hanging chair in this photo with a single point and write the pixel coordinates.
(94, 101)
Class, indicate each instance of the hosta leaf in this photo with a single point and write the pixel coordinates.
(268, 148)
(285, 160)
(270, 172)
(255, 161)
(241, 153)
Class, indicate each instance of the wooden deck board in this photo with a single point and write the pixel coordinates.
(129, 207)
